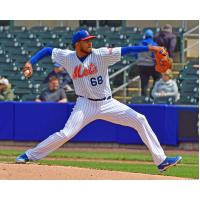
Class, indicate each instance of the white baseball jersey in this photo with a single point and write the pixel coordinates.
(90, 77)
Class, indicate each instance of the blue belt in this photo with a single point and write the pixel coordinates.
(105, 98)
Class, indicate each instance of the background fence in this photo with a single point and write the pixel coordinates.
(30, 121)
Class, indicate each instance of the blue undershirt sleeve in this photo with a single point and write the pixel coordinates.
(46, 51)
(133, 49)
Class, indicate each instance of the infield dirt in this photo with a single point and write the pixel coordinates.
(45, 172)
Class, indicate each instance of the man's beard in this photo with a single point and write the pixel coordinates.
(86, 52)
(53, 89)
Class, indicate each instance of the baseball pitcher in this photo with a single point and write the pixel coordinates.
(88, 68)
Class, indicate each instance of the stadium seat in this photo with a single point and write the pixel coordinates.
(31, 50)
(187, 100)
(61, 29)
(18, 64)
(135, 36)
(113, 23)
(114, 43)
(46, 61)
(5, 35)
(193, 62)
(21, 36)
(44, 34)
(129, 59)
(18, 43)
(65, 43)
(66, 37)
(115, 67)
(4, 65)
(194, 82)
(18, 57)
(28, 97)
(178, 30)
(21, 84)
(189, 72)
(141, 100)
(50, 42)
(5, 74)
(112, 35)
(154, 29)
(4, 58)
(36, 29)
(59, 35)
(130, 30)
(87, 23)
(9, 43)
(31, 40)
(188, 83)
(71, 96)
(164, 100)
(38, 78)
(9, 67)
(21, 91)
(31, 46)
(4, 28)
(16, 76)
(103, 30)
(188, 91)
(98, 43)
(13, 50)
(18, 29)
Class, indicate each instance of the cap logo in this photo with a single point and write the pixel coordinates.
(87, 32)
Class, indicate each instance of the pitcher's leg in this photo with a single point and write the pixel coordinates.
(78, 119)
(123, 115)
(140, 123)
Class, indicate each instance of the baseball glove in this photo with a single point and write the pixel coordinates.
(27, 70)
(163, 61)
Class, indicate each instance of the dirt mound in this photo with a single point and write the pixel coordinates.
(45, 172)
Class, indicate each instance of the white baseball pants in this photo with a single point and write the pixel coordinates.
(86, 111)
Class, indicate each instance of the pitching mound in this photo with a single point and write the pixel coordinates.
(45, 172)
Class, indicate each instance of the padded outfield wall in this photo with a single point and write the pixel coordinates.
(30, 121)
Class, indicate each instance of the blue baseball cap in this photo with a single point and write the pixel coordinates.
(148, 33)
(81, 35)
(56, 65)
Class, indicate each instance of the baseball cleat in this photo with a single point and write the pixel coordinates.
(23, 158)
(169, 162)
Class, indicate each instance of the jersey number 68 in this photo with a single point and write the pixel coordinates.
(96, 81)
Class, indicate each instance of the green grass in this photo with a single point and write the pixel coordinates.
(129, 156)
(188, 169)
(179, 171)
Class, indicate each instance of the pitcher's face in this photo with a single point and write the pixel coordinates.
(84, 47)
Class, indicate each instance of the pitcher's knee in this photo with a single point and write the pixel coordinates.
(66, 135)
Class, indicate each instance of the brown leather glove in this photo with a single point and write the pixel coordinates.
(163, 61)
